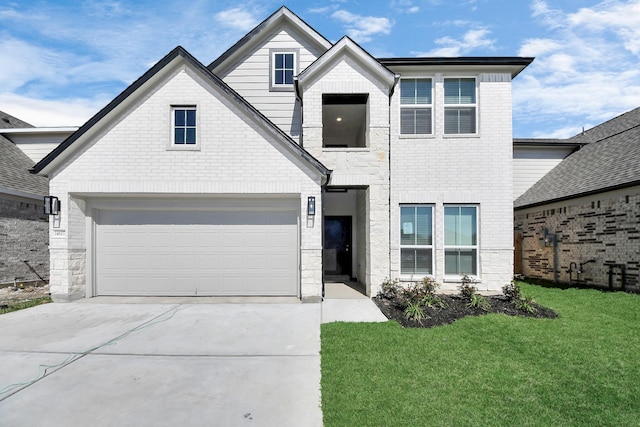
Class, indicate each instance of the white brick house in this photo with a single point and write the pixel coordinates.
(287, 162)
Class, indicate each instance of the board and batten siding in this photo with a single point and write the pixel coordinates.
(250, 78)
(532, 163)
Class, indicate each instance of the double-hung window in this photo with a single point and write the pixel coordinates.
(460, 240)
(184, 126)
(415, 107)
(283, 68)
(459, 105)
(416, 240)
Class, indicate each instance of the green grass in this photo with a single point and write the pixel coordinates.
(24, 304)
(580, 369)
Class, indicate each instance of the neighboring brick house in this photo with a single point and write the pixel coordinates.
(24, 229)
(289, 161)
(580, 223)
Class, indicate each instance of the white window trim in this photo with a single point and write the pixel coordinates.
(172, 146)
(273, 87)
(475, 105)
(432, 246)
(424, 106)
(456, 277)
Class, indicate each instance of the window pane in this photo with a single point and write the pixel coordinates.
(288, 77)
(423, 261)
(407, 226)
(179, 136)
(179, 117)
(191, 117)
(423, 121)
(279, 60)
(467, 91)
(467, 262)
(450, 225)
(191, 136)
(407, 121)
(423, 91)
(407, 91)
(288, 61)
(459, 120)
(407, 261)
(423, 221)
(459, 91)
(279, 75)
(467, 231)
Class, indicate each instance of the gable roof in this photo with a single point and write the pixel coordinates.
(280, 16)
(347, 46)
(74, 141)
(609, 161)
(15, 178)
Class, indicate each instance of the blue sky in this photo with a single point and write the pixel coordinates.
(61, 61)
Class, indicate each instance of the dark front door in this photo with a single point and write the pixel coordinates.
(337, 245)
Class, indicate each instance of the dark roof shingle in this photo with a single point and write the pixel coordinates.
(610, 160)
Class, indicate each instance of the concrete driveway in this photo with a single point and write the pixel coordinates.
(130, 364)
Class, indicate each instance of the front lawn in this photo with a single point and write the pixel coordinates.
(582, 368)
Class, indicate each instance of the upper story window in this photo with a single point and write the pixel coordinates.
(184, 125)
(415, 107)
(184, 128)
(459, 105)
(284, 66)
(344, 120)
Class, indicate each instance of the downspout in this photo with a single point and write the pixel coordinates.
(296, 86)
(396, 78)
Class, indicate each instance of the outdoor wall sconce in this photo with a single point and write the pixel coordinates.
(51, 205)
(311, 206)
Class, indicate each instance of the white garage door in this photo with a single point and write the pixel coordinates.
(229, 252)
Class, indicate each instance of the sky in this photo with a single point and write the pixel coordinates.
(62, 61)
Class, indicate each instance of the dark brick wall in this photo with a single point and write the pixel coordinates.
(24, 236)
(604, 229)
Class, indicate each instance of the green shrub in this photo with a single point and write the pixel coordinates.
(526, 303)
(414, 312)
(512, 291)
(467, 288)
(389, 289)
(479, 301)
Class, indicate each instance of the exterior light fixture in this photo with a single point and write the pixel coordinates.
(311, 206)
(51, 205)
(339, 119)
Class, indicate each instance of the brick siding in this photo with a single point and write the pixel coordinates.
(24, 236)
(602, 228)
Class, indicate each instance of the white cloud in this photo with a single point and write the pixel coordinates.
(586, 68)
(472, 39)
(363, 28)
(39, 112)
(237, 18)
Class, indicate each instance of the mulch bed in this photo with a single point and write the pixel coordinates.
(456, 308)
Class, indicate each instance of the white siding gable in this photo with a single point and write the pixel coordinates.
(250, 78)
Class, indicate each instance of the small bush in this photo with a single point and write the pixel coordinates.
(467, 288)
(432, 301)
(526, 303)
(414, 312)
(512, 291)
(390, 289)
(479, 301)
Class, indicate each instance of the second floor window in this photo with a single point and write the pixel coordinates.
(184, 125)
(283, 68)
(460, 106)
(415, 106)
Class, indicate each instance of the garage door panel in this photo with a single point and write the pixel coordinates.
(196, 253)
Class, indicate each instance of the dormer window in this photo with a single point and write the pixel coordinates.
(284, 66)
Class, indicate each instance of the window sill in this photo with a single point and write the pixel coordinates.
(458, 279)
(283, 88)
(189, 147)
(460, 135)
(352, 149)
(414, 278)
(419, 136)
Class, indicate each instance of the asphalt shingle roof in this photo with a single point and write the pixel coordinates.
(15, 165)
(611, 159)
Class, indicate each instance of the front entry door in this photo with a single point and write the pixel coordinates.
(337, 245)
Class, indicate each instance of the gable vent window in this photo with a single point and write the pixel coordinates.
(460, 106)
(184, 125)
(415, 107)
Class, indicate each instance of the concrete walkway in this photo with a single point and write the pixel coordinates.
(107, 364)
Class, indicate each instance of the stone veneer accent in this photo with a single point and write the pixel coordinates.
(604, 228)
(24, 236)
